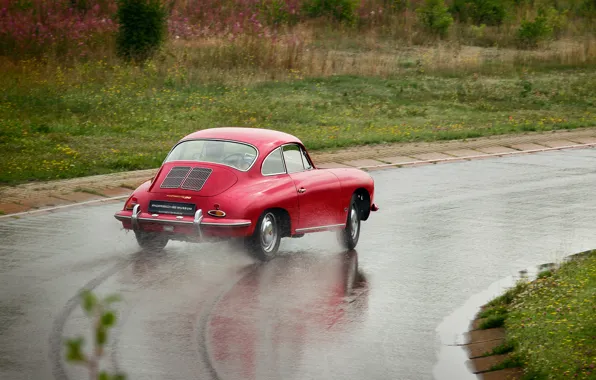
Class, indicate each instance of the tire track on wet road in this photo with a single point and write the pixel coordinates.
(56, 335)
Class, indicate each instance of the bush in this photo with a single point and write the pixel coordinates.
(435, 17)
(488, 12)
(556, 20)
(587, 9)
(142, 28)
(531, 33)
(339, 10)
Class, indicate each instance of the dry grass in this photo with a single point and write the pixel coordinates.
(248, 59)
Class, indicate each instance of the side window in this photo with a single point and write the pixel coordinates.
(293, 158)
(273, 164)
(305, 160)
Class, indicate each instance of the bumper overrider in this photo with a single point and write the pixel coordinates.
(176, 223)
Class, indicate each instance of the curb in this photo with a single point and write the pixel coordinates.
(363, 167)
(467, 158)
(49, 209)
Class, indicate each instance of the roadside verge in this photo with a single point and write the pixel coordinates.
(542, 328)
(47, 196)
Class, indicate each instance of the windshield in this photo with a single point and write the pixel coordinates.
(230, 153)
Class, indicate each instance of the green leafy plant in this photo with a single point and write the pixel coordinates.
(275, 12)
(103, 318)
(142, 28)
(435, 17)
(488, 12)
(587, 9)
(339, 10)
(531, 33)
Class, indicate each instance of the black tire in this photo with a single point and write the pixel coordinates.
(348, 237)
(151, 241)
(265, 240)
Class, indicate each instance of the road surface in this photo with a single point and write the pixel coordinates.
(444, 233)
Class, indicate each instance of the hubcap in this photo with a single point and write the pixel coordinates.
(268, 233)
(353, 222)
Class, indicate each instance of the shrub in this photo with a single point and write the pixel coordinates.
(142, 28)
(339, 10)
(587, 9)
(531, 33)
(435, 17)
(488, 12)
(556, 20)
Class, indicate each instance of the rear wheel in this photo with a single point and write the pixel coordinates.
(151, 241)
(348, 237)
(265, 240)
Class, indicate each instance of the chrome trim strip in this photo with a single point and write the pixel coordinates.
(320, 227)
(184, 222)
(216, 163)
(237, 224)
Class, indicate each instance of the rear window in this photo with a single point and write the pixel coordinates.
(230, 153)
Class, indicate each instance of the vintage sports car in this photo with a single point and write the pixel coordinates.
(255, 184)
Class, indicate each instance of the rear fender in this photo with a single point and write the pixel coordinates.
(276, 192)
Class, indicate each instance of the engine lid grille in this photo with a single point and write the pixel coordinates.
(185, 178)
(175, 177)
(196, 179)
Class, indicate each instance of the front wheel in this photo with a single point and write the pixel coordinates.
(264, 242)
(151, 241)
(349, 236)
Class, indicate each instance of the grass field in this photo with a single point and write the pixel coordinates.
(551, 322)
(91, 120)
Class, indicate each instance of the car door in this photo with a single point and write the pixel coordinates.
(318, 191)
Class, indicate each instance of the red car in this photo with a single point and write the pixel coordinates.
(256, 184)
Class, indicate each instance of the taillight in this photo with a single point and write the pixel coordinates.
(131, 203)
(216, 213)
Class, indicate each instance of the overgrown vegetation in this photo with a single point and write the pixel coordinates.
(89, 87)
(550, 323)
(103, 319)
(77, 29)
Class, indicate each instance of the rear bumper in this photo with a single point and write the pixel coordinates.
(187, 225)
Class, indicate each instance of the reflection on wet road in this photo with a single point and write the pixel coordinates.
(444, 233)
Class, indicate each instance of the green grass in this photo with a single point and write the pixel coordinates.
(100, 119)
(492, 322)
(501, 349)
(551, 323)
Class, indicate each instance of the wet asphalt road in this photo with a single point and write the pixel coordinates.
(444, 233)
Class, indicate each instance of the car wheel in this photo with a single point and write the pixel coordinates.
(266, 238)
(151, 241)
(349, 236)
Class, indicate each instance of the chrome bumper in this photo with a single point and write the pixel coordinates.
(197, 221)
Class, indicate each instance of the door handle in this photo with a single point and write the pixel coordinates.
(301, 190)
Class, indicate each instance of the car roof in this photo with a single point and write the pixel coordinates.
(263, 139)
